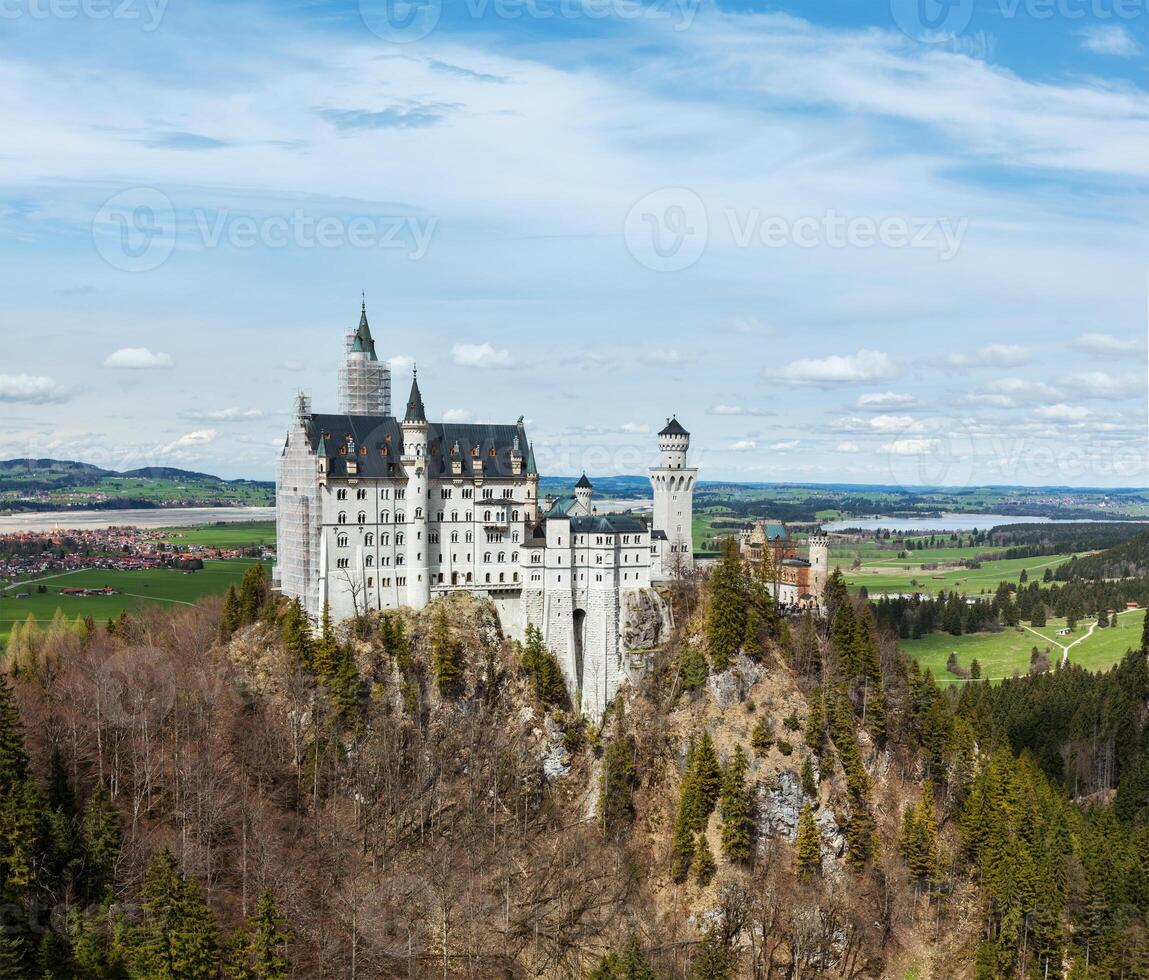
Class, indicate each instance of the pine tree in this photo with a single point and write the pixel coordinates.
(100, 842)
(707, 780)
(682, 846)
(13, 956)
(736, 809)
(52, 958)
(229, 618)
(297, 634)
(631, 964)
(809, 781)
(447, 657)
(325, 649)
(715, 959)
(345, 686)
(808, 845)
(13, 756)
(842, 637)
(692, 668)
(616, 791)
(177, 939)
(761, 737)
(703, 864)
(726, 616)
(254, 590)
(269, 939)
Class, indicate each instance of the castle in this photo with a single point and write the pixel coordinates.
(374, 512)
(796, 583)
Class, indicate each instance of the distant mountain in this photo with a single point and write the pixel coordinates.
(55, 484)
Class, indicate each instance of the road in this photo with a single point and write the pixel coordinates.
(1066, 648)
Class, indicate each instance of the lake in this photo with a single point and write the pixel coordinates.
(946, 522)
(94, 520)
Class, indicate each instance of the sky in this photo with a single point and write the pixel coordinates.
(898, 242)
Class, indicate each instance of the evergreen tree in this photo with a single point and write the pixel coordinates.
(631, 964)
(616, 792)
(726, 616)
(13, 757)
(100, 842)
(715, 959)
(177, 939)
(761, 737)
(297, 634)
(736, 809)
(1038, 618)
(254, 592)
(975, 668)
(836, 593)
(808, 845)
(692, 668)
(447, 656)
(13, 956)
(842, 637)
(816, 723)
(53, 961)
(703, 864)
(325, 649)
(707, 780)
(684, 822)
(229, 620)
(809, 782)
(268, 943)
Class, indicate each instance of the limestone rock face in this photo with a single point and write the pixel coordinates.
(780, 806)
(646, 620)
(732, 685)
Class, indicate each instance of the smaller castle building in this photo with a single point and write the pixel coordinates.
(796, 582)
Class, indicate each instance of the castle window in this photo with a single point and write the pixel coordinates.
(400, 493)
(341, 541)
(400, 517)
(486, 517)
(487, 577)
(340, 494)
(360, 494)
(491, 452)
(470, 536)
(502, 576)
(399, 538)
(468, 517)
(445, 493)
(454, 537)
(363, 517)
(384, 538)
(370, 582)
(384, 450)
(502, 556)
(385, 560)
(474, 452)
(342, 562)
(418, 513)
(369, 561)
(399, 560)
(515, 557)
(384, 517)
(468, 576)
(369, 538)
(515, 536)
(439, 517)
(454, 515)
(514, 515)
(488, 494)
(342, 518)
(433, 537)
(486, 556)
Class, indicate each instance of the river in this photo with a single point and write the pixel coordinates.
(94, 520)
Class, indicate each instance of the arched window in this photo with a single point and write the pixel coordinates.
(384, 538)
(370, 560)
(370, 581)
(418, 513)
(360, 494)
(486, 517)
(341, 541)
(363, 517)
(454, 515)
(514, 557)
(514, 515)
(486, 556)
(502, 557)
(384, 517)
(399, 538)
(487, 577)
(399, 560)
(340, 494)
(454, 537)
(369, 538)
(342, 518)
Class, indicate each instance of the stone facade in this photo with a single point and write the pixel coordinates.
(374, 512)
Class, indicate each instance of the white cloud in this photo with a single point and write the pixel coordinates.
(848, 447)
(744, 445)
(201, 437)
(635, 428)
(909, 447)
(1107, 345)
(1112, 39)
(33, 389)
(400, 362)
(993, 401)
(1022, 388)
(895, 423)
(1098, 384)
(992, 355)
(885, 399)
(661, 358)
(864, 367)
(1062, 413)
(456, 415)
(786, 446)
(480, 356)
(226, 415)
(734, 410)
(137, 359)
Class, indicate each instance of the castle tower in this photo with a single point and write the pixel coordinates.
(417, 497)
(584, 490)
(819, 566)
(673, 484)
(364, 380)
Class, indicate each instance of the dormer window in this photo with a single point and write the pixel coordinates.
(491, 452)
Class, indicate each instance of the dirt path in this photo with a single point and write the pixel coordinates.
(1065, 648)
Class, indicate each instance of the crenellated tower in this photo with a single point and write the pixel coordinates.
(673, 484)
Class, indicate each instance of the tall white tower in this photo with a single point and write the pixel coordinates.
(819, 566)
(584, 490)
(364, 380)
(418, 498)
(673, 484)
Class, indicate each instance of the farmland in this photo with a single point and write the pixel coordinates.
(164, 586)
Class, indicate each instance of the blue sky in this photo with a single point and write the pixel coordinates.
(890, 242)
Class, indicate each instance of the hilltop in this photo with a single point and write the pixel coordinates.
(53, 484)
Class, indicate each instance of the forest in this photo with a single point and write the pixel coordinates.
(230, 791)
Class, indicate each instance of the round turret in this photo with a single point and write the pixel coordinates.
(584, 490)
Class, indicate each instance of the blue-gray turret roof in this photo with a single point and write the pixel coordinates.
(362, 342)
(584, 484)
(673, 428)
(415, 410)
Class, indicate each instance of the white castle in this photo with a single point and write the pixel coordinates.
(374, 512)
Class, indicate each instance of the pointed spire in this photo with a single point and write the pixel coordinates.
(362, 342)
(532, 467)
(584, 483)
(415, 410)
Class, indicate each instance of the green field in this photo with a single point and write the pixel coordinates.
(1002, 654)
(895, 575)
(159, 586)
(241, 534)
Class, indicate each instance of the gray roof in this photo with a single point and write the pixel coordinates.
(415, 410)
(378, 442)
(673, 428)
(362, 342)
(607, 524)
(584, 483)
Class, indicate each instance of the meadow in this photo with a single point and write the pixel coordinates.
(137, 588)
(241, 534)
(1007, 652)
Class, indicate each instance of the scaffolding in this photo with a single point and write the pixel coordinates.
(364, 382)
(297, 528)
